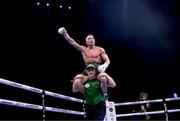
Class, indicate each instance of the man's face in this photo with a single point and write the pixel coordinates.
(90, 40)
(144, 97)
(91, 72)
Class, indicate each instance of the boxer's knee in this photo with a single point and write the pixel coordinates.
(79, 76)
(77, 83)
(102, 78)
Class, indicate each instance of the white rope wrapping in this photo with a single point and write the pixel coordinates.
(64, 111)
(148, 113)
(18, 85)
(173, 110)
(147, 101)
(172, 99)
(52, 109)
(63, 97)
(138, 114)
(138, 102)
(32, 89)
(20, 104)
(38, 107)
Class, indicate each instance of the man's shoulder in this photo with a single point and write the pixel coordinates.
(100, 48)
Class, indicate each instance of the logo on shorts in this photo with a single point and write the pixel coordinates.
(87, 85)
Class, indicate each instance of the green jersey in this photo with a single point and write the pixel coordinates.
(93, 93)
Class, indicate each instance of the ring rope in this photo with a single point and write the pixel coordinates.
(52, 109)
(148, 113)
(147, 101)
(33, 89)
(38, 107)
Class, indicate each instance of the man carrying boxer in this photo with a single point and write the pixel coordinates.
(92, 55)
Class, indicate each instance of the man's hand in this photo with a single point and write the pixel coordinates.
(102, 74)
(147, 117)
(63, 31)
(102, 68)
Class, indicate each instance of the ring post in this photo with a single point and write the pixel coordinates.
(43, 105)
(165, 109)
(110, 111)
(84, 110)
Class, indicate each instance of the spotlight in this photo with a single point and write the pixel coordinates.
(60, 6)
(47, 4)
(69, 7)
(38, 3)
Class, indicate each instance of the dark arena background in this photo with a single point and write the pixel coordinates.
(141, 37)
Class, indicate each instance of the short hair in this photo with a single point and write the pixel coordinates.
(143, 94)
(89, 35)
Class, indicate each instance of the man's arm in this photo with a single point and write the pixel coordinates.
(105, 57)
(110, 81)
(143, 109)
(106, 60)
(70, 40)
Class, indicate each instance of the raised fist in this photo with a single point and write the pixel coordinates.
(62, 30)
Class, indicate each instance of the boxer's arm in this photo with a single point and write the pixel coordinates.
(70, 40)
(106, 60)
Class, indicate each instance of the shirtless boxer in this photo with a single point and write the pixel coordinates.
(92, 55)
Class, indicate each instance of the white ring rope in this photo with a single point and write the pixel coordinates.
(33, 89)
(111, 114)
(63, 96)
(52, 109)
(38, 107)
(21, 86)
(148, 113)
(147, 101)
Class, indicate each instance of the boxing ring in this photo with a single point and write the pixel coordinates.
(110, 105)
(43, 93)
(112, 116)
